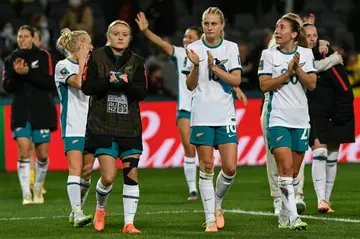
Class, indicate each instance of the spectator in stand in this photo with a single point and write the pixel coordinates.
(78, 17)
(39, 21)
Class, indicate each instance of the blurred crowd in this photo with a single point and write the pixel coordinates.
(251, 26)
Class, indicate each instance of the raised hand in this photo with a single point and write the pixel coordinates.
(296, 59)
(20, 66)
(341, 60)
(83, 53)
(291, 67)
(210, 60)
(193, 57)
(142, 21)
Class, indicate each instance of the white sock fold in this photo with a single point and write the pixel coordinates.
(102, 194)
(296, 182)
(190, 173)
(223, 184)
(331, 168)
(84, 189)
(23, 168)
(207, 193)
(41, 171)
(288, 196)
(130, 201)
(73, 189)
(318, 171)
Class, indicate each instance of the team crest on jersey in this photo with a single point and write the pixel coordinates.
(221, 65)
(128, 70)
(64, 72)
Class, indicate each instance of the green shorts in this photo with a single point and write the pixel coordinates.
(213, 135)
(74, 143)
(37, 136)
(296, 139)
(116, 152)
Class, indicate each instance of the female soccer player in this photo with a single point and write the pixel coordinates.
(286, 71)
(272, 171)
(183, 117)
(28, 76)
(332, 120)
(213, 68)
(116, 81)
(75, 45)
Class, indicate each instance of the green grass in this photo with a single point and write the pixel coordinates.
(164, 212)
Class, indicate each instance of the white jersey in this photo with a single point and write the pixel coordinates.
(74, 103)
(185, 95)
(288, 105)
(212, 101)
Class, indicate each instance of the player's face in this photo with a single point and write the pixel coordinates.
(24, 39)
(311, 36)
(212, 26)
(119, 36)
(189, 37)
(283, 32)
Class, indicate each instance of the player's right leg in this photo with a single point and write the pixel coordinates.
(190, 168)
(320, 155)
(271, 168)
(280, 143)
(74, 147)
(107, 160)
(22, 137)
(85, 181)
(203, 138)
(226, 139)
(300, 203)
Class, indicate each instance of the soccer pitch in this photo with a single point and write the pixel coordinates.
(164, 212)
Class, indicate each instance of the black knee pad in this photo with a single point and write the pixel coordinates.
(134, 162)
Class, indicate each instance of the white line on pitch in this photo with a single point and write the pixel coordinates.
(236, 211)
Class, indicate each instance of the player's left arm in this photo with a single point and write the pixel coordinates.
(233, 77)
(41, 73)
(308, 73)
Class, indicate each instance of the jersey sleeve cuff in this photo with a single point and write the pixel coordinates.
(315, 72)
(236, 68)
(68, 77)
(264, 74)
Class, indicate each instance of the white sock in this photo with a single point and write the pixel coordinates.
(84, 189)
(73, 189)
(130, 202)
(41, 170)
(207, 193)
(288, 196)
(190, 173)
(223, 184)
(102, 194)
(331, 168)
(296, 182)
(23, 168)
(319, 172)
